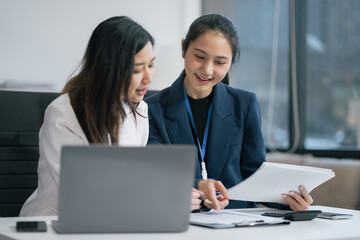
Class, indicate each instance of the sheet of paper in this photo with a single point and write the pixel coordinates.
(230, 217)
(272, 179)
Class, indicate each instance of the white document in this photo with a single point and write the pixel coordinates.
(272, 179)
(228, 219)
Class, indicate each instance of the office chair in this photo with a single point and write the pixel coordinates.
(21, 115)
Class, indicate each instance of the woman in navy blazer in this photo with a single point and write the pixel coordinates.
(233, 145)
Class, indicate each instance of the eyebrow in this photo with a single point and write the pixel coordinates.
(142, 63)
(202, 51)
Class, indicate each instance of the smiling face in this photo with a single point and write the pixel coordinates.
(143, 73)
(207, 61)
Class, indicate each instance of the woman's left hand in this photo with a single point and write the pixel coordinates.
(296, 201)
(195, 199)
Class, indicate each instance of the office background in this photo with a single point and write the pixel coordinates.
(303, 53)
(301, 58)
(309, 96)
(42, 42)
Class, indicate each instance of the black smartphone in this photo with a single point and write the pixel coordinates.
(31, 226)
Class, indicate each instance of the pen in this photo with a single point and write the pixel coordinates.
(204, 200)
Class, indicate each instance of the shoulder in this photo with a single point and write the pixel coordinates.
(60, 105)
(236, 95)
(60, 110)
(61, 123)
(158, 98)
(239, 93)
(170, 95)
(158, 103)
(238, 103)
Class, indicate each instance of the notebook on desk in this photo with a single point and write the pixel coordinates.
(107, 189)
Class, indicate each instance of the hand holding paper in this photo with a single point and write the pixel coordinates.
(298, 201)
(272, 179)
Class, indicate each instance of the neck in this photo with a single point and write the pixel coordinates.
(195, 94)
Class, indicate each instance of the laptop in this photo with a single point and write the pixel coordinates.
(111, 189)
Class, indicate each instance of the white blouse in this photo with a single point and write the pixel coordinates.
(60, 128)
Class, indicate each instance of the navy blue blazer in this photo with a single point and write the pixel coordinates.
(235, 147)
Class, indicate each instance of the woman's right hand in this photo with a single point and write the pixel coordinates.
(209, 188)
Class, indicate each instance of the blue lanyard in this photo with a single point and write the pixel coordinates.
(202, 148)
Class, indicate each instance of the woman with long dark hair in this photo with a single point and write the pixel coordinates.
(102, 104)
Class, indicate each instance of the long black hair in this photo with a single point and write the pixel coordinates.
(219, 23)
(97, 92)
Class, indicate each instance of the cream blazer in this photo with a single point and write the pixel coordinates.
(60, 128)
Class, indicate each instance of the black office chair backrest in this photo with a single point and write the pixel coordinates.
(21, 114)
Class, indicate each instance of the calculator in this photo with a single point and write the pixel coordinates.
(294, 215)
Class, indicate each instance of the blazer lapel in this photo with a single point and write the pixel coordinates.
(222, 127)
(177, 122)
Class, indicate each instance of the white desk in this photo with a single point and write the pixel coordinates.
(315, 229)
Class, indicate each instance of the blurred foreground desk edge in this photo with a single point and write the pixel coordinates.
(315, 229)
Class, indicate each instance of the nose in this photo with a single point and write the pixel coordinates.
(207, 68)
(148, 76)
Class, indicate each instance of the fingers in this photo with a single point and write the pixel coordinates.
(220, 187)
(212, 197)
(289, 200)
(195, 199)
(306, 195)
(223, 203)
(194, 190)
(298, 202)
(209, 187)
(221, 200)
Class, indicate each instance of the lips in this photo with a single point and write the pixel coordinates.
(203, 79)
(141, 91)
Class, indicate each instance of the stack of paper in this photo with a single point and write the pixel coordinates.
(272, 179)
(230, 219)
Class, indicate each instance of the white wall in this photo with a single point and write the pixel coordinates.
(43, 41)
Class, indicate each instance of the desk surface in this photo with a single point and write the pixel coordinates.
(315, 229)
